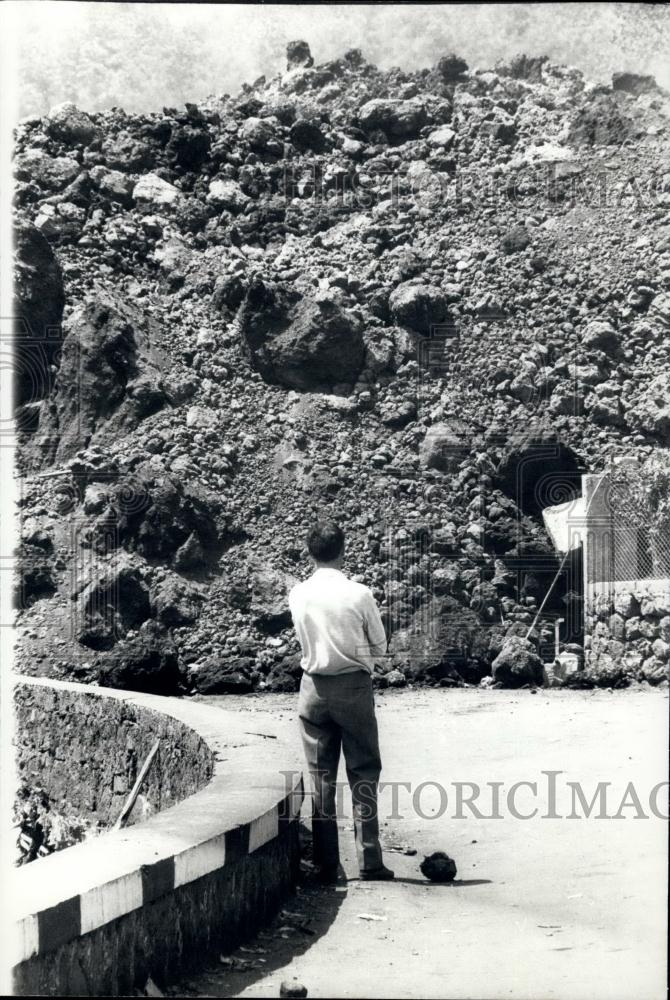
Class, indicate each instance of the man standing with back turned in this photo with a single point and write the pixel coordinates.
(341, 635)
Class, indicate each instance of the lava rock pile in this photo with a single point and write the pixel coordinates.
(344, 292)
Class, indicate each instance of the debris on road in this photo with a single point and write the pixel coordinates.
(402, 849)
(439, 867)
(294, 989)
(238, 964)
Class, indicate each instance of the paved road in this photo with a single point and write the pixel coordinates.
(543, 907)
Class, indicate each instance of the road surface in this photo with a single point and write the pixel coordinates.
(569, 908)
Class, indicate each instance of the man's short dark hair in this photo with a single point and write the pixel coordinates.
(325, 541)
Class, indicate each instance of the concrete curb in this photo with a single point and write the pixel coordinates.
(247, 804)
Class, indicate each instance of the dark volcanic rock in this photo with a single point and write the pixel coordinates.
(228, 292)
(314, 343)
(221, 676)
(439, 867)
(653, 409)
(419, 307)
(52, 173)
(517, 663)
(633, 83)
(524, 67)
(269, 599)
(148, 662)
(474, 314)
(439, 640)
(451, 67)
(298, 55)
(602, 336)
(285, 676)
(188, 147)
(68, 124)
(600, 123)
(124, 151)
(306, 134)
(515, 240)
(174, 602)
(107, 375)
(444, 448)
(292, 988)
(35, 574)
(156, 514)
(116, 601)
(38, 311)
(398, 119)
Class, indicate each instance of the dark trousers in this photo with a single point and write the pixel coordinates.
(338, 712)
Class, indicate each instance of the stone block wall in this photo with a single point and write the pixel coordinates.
(86, 751)
(628, 626)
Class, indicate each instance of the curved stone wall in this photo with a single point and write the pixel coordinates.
(166, 895)
(85, 750)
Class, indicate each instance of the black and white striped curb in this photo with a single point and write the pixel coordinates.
(50, 928)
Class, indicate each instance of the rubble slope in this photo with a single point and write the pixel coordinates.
(419, 302)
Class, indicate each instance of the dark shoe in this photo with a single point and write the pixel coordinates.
(382, 874)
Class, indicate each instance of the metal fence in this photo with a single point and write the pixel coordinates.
(640, 543)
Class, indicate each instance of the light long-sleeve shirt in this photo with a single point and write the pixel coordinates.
(338, 624)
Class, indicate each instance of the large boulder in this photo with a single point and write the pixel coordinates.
(517, 663)
(154, 192)
(515, 240)
(298, 55)
(188, 147)
(124, 151)
(257, 132)
(419, 307)
(285, 675)
(443, 448)
(61, 223)
(634, 83)
(35, 574)
(441, 641)
(218, 675)
(600, 122)
(228, 292)
(109, 374)
(305, 134)
(269, 599)
(601, 335)
(113, 184)
(303, 343)
(168, 518)
(227, 194)
(441, 137)
(50, 172)
(452, 68)
(146, 662)
(66, 123)
(38, 312)
(115, 601)
(398, 119)
(175, 603)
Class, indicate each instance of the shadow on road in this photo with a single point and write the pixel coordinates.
(305, 917)
(457, 882)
